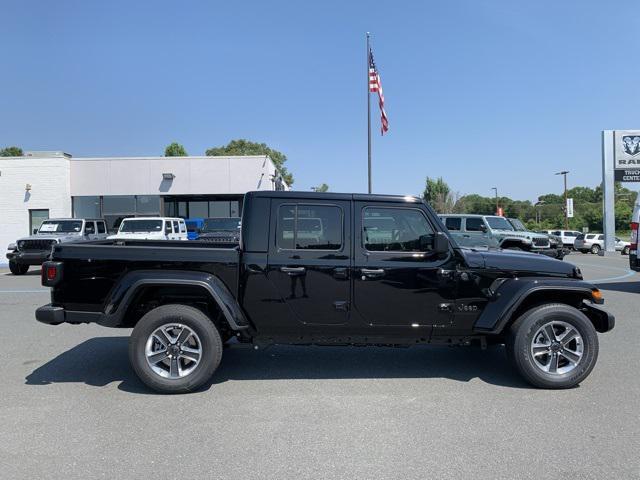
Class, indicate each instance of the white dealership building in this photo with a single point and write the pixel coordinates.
(43, 185)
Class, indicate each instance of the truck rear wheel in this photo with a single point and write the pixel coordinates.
(18, 268)
(175, 349)
(553, 346)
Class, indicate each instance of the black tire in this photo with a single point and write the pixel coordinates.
(520, 337)
(18, 268)
(595, 249)
(198, 322)
(625, 250)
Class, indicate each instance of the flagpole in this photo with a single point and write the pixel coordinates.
(368, 116)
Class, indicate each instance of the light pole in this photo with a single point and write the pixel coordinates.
(497, 205)
(538, 215)
(566, 213)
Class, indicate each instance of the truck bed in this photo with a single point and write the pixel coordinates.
(92, 269)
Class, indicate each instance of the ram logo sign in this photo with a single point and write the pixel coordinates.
(631, 144)
(627, 155)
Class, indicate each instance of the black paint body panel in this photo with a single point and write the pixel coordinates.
(315, 296)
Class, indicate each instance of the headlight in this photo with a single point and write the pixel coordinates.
(21, 244)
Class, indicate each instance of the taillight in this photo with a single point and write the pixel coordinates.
(634, 236)
(51, 273)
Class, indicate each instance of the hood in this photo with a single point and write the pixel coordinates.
(61, 237)
(520, 263)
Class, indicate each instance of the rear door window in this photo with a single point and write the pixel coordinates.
(101, 227)
(474, 225)
(309, 227)
(453, 223)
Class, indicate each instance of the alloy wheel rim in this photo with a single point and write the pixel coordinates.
(173, 351)
(557, 348)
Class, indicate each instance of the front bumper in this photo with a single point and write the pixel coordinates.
(28, 258)
(602, 320)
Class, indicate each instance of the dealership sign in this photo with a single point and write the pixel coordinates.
(627, 155)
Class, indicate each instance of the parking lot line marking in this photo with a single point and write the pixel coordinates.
(602, 280)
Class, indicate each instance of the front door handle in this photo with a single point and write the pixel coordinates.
(293, 270)
(371, 272)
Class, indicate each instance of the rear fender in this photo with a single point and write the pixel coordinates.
(125, 292)
(512, 296)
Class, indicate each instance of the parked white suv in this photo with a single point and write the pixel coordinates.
(594, 242)
(151, 228)
(568, 236)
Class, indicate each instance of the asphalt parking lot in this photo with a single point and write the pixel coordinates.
(71, 407)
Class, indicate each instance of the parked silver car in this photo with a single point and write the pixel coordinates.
(594, 242)
(35, 249)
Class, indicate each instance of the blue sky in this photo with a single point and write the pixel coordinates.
(482, 93)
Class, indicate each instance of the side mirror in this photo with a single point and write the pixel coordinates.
(35, 231)
(437, 243)
(440, 243)
(483, 228)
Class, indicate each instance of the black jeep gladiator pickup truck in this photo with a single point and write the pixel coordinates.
(327, 269)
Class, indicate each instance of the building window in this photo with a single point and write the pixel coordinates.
(198, 209)
(119, 204)
(147, 205)
(36, 217)
(86, 207)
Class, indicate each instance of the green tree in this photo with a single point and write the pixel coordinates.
(246, 147)
(442, 199)
(11, 152)
(175, 150)
(323, 187)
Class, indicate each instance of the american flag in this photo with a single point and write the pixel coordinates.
(376, 86)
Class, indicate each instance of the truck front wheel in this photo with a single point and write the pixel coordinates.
(175, 349)
(18, 268)
(553, 346)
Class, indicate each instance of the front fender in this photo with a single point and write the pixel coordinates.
(125, 291)
(512, 292)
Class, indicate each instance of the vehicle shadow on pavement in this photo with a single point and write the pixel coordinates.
(626, 287)
(103, 360)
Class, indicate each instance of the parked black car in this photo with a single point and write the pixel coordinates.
(327, 269)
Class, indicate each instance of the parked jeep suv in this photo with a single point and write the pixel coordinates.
(35, 249)
(474, 230)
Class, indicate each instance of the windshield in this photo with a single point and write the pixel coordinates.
(141, 226)
(499, 223)
(61, 226)
(217, 224)
(517, 224)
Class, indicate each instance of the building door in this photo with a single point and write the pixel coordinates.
(36, 217)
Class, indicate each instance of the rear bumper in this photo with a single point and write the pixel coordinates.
(53, 315)
(28, 258)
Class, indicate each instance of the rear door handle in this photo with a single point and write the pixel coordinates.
(371, 272)
(293, 270)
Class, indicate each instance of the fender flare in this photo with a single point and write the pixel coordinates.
(125, 290)
(511, 293)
